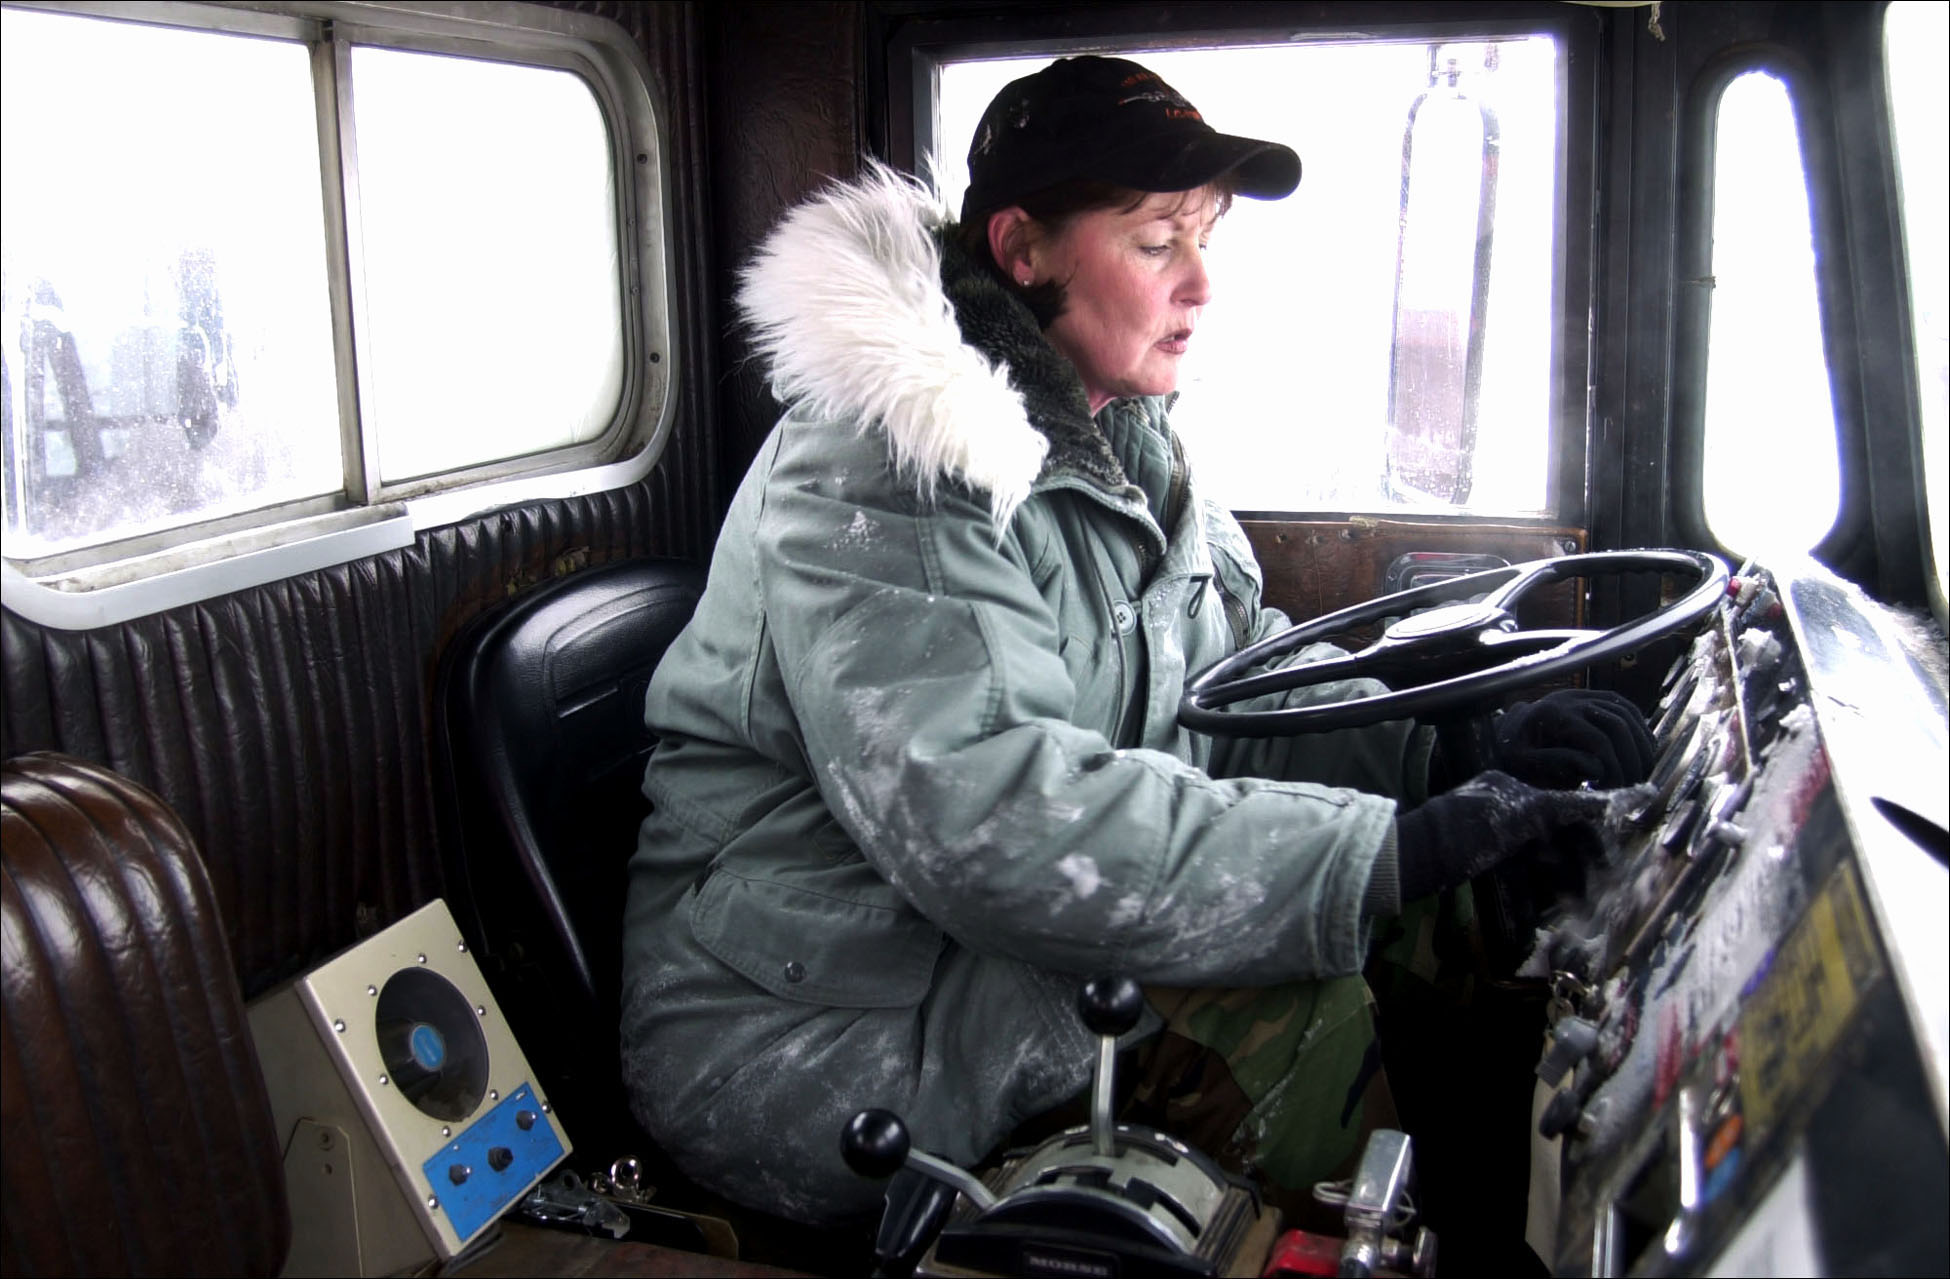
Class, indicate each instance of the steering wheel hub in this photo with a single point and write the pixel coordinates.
(1452, 619)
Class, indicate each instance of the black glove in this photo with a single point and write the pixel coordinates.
(1492, 818)
(1575, 735)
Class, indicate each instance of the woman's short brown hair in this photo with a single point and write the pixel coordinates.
(1052, 209)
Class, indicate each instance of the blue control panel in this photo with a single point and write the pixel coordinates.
(487, 1167)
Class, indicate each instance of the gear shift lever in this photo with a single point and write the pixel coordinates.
(875, 1144)
(1111, 1006)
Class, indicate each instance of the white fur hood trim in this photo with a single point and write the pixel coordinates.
(845, 304)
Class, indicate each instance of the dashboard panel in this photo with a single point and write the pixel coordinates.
(1744, 1066)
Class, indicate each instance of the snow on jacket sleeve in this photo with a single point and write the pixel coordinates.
(923, 669)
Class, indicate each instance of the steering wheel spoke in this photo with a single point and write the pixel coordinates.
(1525, 576)
(1521, 643)
(1302, 675)
(1443, 654)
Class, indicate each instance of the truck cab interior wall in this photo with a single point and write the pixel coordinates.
(768, 102)
(290, 724)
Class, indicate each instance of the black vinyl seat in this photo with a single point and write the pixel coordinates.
(540, 751)
(541, 746)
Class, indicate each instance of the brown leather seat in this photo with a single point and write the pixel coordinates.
(137, 1138)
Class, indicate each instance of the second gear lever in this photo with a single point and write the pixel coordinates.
(1111, 1006)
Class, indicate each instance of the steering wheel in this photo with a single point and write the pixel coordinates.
(1449, 659)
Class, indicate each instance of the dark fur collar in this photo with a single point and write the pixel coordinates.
(997, 323)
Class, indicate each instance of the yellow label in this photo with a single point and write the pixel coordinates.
(1804, 1003)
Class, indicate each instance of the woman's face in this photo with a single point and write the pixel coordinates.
(1134, 284)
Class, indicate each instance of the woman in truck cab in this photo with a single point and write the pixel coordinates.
(920, 770)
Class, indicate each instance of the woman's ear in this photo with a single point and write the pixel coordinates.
(1011, 232)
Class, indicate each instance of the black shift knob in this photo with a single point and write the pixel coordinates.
(1111, 1004)
(874, 1143)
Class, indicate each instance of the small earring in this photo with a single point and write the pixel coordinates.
(1023, 280)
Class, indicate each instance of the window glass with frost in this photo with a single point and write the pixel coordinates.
(167, 335)
(1772, 478)
(1915, 34)
(1383, 338)
(491, 316)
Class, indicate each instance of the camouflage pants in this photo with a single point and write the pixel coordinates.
(1285, 1083)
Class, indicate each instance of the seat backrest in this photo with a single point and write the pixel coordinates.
(541, 747)
(138, 1134)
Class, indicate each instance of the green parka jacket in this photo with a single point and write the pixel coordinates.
(919, 766)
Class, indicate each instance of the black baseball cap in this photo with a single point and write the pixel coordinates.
(1109, 120)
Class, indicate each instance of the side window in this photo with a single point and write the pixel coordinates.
(1384, 338)
(265, 271)
(168, 324)
(1770, 418)
(1915, 35)
(488, 238)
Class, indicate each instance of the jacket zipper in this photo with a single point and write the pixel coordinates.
(1235, 616)
(1175, 491)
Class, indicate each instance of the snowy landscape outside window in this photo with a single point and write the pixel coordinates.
(488, 237)
(1770, 417)
(167, 339)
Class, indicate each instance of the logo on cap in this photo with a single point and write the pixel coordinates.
(1176, 107)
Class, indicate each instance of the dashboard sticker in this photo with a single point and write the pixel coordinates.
(1797, 1015)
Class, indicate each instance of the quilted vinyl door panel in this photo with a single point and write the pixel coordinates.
(287, 724)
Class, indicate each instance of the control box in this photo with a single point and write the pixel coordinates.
(410, 1118)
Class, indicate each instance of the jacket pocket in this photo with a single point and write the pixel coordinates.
(813, 947)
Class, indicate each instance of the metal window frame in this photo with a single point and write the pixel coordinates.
(98, 584)
(1829, 54)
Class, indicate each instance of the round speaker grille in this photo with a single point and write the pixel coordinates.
(431, 1043)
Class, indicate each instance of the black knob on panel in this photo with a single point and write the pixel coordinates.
(500, 1157)
(874, 1143)
(1560, 1114)
(1111, 1004)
